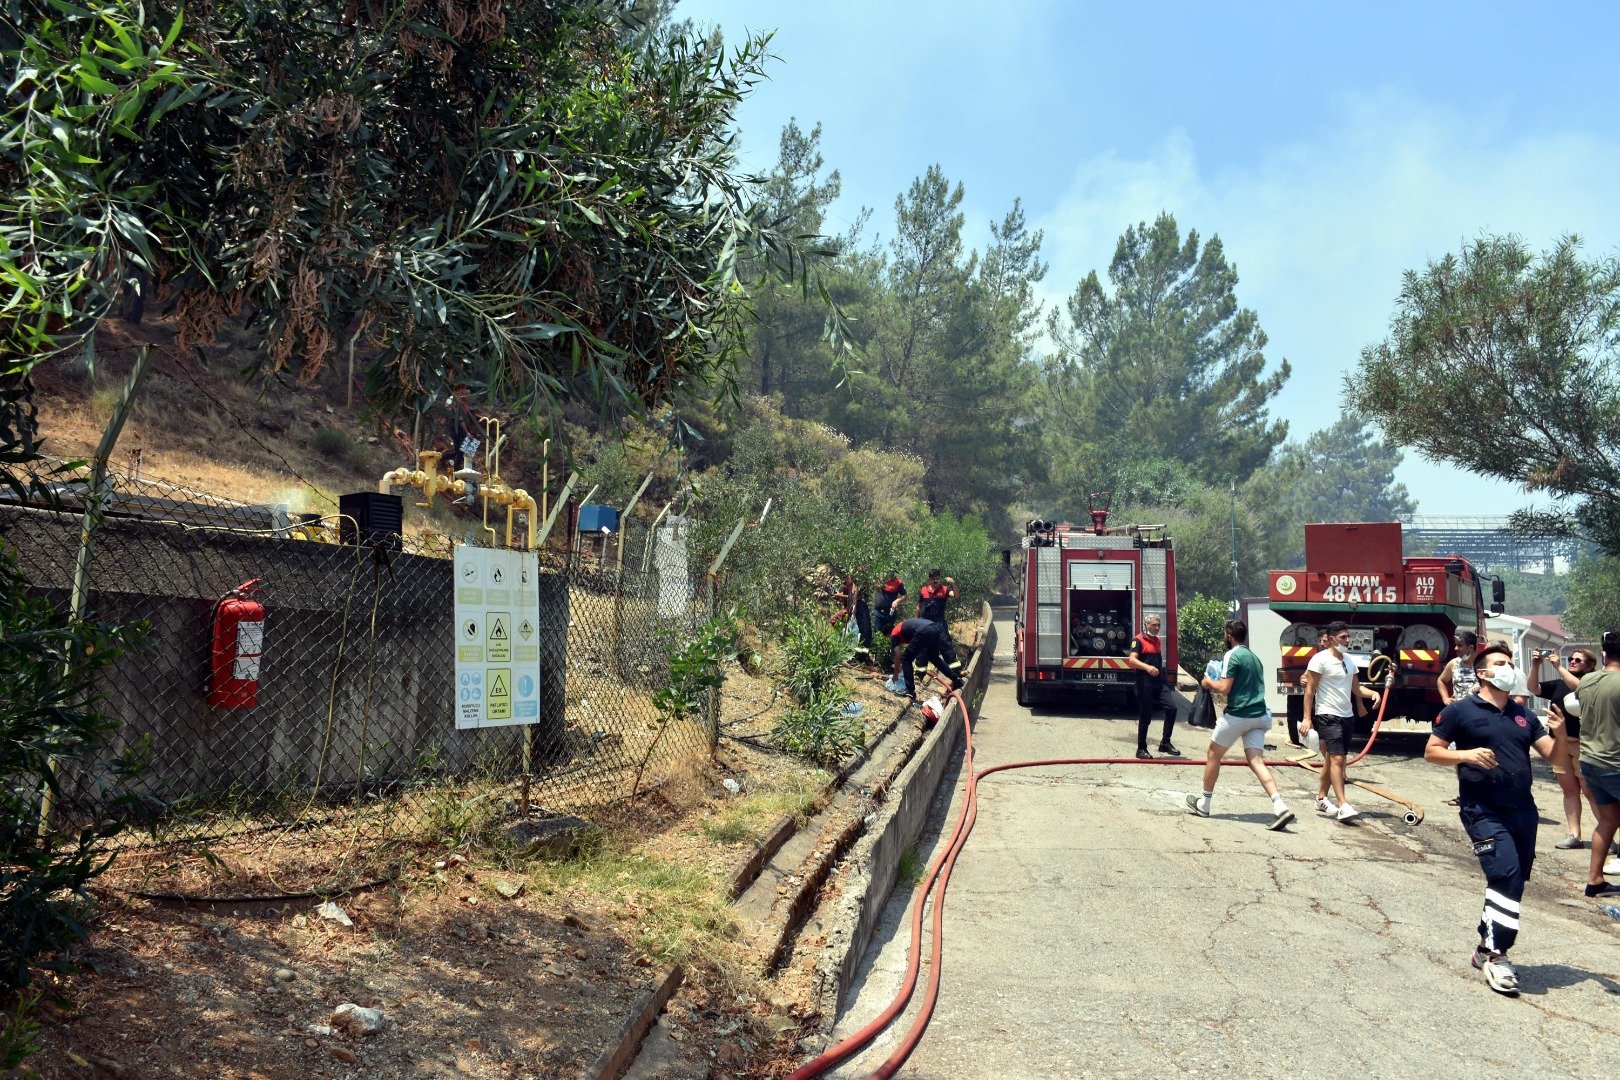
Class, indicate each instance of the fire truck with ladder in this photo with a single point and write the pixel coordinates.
(1083, 594)
(1403, 612)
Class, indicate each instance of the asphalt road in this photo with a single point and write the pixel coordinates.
(1094, 928)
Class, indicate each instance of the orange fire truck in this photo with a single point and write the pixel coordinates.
(1402, 612)
(1082, 596)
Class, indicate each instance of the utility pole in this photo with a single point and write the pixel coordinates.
(1237, 597)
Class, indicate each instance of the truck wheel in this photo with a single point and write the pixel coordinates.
(1023, 694)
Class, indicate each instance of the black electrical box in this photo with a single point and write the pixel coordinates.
(370, 517)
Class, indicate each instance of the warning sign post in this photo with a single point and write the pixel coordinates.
(497, 644)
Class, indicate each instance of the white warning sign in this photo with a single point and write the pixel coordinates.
(496, 600)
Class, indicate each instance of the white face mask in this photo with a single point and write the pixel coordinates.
(1502, 676)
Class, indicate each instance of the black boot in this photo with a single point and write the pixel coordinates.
(1142, 752)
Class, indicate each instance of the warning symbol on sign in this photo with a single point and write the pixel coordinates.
(498, 698)
(496, 575)
(471, 630)
(499, 642)
(526, 630)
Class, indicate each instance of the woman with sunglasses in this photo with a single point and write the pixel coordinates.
(1566, 759)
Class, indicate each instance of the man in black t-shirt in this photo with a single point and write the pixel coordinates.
(1493, 736)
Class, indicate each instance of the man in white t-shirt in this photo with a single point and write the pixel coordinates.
(1333, 697)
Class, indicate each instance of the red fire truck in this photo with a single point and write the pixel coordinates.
(1402, 612)
(1082, 596)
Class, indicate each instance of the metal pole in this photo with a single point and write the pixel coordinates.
(551, 518)
(1237, 598)
(624, 517)
(95, 507)
(573, 541)
(652, 537)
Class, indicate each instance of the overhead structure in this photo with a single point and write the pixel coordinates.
(1489, 542)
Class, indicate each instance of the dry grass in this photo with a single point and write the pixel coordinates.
(227, 438)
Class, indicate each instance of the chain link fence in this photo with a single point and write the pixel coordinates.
(350, 752)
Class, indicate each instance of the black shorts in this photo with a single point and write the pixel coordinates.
(1334, 731)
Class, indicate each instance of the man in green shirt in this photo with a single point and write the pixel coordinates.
(1247, 718)
(1599, 711)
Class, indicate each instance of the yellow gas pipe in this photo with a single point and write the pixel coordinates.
(427, 478)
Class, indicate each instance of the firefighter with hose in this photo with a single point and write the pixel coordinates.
(925, 643)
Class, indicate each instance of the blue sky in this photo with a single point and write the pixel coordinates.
(1330, 146)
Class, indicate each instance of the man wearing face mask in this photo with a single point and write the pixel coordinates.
(1493, 736)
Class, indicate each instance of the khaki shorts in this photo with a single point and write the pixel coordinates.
(1566, 759)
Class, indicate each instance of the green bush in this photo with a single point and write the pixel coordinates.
(821, 731)
(696, 666)
(48, 723)
(814, 655)
(852, 511)
(1201, 631)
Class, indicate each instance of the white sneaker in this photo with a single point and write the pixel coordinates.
(1347, 812)
(1612, 866)
(1325, 806)
(1500, 976)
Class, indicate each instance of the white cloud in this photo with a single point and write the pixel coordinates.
(1321, 229)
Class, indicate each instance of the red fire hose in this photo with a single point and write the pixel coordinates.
(940, 871)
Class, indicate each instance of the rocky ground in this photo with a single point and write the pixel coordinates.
(481, 963)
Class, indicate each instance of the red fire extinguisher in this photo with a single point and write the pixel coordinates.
(238, 647)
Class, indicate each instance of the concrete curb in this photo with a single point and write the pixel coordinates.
(788, 824)
(874, 860)
(622, 1054)
(618, 1057)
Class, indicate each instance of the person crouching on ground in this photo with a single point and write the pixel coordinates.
(1153, 687)
(1493, 736)
(1333, 697)
(1246, 718)
(925, 643)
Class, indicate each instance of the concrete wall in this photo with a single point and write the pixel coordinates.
(357, 679)
(875, 859)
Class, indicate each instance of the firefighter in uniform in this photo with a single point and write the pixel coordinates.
(933, 596)
(1154, 688)
(1493, 736)
(890, 593)
(926, 643)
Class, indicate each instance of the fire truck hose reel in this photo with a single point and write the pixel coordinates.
(939, 874)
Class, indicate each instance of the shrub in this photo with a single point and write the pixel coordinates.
(696, 666)
(1201, 631)
(814, 655)
(821, 731)
(48, 722)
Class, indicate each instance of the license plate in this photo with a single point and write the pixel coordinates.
(1290, 691)
(1104, 676)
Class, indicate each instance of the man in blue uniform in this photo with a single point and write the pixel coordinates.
(926, 643)
(1493, 736)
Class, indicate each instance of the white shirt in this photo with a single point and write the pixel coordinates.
(1332, 683)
